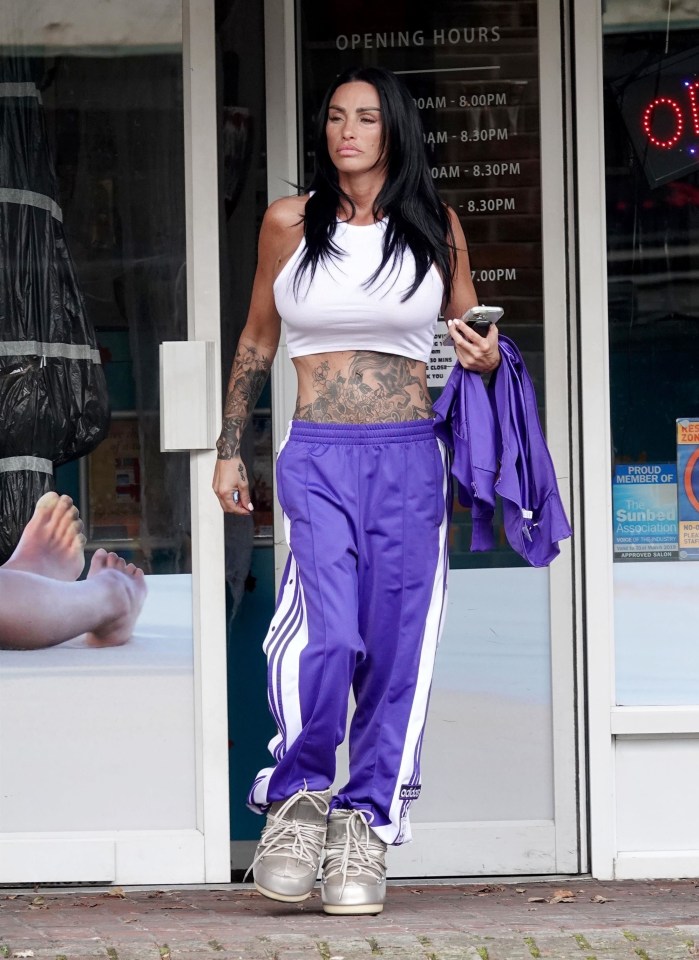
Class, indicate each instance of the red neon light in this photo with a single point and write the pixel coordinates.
(648, 117)
(692, 91)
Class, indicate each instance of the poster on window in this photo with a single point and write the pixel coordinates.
(645, 511)
(688, 487)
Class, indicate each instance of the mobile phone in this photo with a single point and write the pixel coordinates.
(480, 318)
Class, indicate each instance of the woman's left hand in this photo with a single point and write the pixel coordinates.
(474, 352)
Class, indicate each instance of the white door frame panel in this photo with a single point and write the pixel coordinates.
(558, 434)
(595, 423)
(203, 317)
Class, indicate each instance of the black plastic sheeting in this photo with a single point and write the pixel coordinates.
(51, 407)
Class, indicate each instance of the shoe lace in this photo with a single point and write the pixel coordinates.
(292, 837)
(356, 852)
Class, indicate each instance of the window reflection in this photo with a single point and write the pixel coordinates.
(652, 242)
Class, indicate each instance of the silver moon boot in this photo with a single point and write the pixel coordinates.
(288, 854)
(354, 869)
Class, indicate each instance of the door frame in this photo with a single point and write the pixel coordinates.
(566, 836)
(203, 321)
(595, 430)
(567, 679)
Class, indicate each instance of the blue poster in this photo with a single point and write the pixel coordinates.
(645, 511)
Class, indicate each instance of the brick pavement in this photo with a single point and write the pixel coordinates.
(601, 921)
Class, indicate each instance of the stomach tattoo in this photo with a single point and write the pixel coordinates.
(361, 387)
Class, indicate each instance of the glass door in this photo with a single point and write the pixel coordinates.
(499, 768)
(111, 757)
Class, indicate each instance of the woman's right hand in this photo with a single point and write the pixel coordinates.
(231, 486)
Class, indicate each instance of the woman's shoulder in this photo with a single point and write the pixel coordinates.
(282, 231)
(451, 214)
(286, 212)
(455, 224)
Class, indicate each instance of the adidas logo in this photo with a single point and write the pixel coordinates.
(410, 793)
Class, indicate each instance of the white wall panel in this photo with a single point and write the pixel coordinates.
(657, 795)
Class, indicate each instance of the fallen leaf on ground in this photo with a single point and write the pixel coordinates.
(536, 899)
(520, 889)
(23, 953)
(600, 899)
(563, 896)
(115, 892)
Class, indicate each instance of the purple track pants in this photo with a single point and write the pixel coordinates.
(361, 607)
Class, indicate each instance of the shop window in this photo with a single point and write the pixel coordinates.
(115, 126)
(652, 197)
(92, 276)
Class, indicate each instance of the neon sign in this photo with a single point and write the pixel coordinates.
(648, 114)
(660, 107)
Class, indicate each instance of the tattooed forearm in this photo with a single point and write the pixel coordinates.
(370, 388)
(249, 374)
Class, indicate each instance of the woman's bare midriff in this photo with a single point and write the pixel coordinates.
(361, 386)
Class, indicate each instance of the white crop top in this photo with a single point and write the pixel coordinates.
(337, 311)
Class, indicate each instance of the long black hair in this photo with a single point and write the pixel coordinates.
(416, 218)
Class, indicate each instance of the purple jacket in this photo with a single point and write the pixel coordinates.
(499, 448)
(464, 421)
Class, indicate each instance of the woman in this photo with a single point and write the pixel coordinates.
(358, 271)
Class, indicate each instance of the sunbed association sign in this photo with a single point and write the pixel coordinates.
(645, 511)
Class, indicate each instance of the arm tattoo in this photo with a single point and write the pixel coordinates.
(249, 374)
